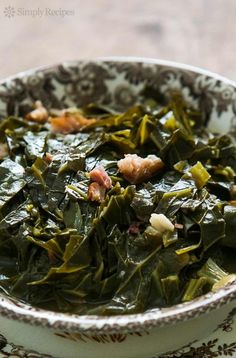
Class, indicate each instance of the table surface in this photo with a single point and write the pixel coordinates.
(197, 32)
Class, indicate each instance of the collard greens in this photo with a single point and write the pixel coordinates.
(72, 243)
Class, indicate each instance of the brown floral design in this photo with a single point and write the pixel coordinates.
(218, 345)
(118, 84)
(211, 348)
(227, 324)
(206, 350)
(99, 338)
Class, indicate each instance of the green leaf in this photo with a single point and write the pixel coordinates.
(11, 180)
(200, 175)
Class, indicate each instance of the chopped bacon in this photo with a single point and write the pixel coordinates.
(134, 228)
(48, 157)
(100, 176)
(136, 169)
(39, 114)
(96, 192)
(70, 123)
(101, 182)
(3, 150)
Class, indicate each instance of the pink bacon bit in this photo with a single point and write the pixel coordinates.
(134, 228)
(96, 192)
(48, 157)
(100, 176)
(136, 169)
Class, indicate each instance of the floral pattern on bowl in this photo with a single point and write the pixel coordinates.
(221, 343)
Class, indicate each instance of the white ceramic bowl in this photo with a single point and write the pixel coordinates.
(118, 82)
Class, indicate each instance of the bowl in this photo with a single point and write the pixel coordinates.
(117, 82)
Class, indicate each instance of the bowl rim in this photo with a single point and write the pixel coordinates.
(134, 59)
(95, 324)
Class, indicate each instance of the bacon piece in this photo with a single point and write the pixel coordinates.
(70, 123)
(48, 157)
(39, 114)
(136, 169)
(134, 228)
(96, 192)
(100, 176)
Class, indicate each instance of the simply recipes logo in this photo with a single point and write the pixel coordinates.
(11, 12)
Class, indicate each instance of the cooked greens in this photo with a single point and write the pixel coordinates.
(115, 213)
